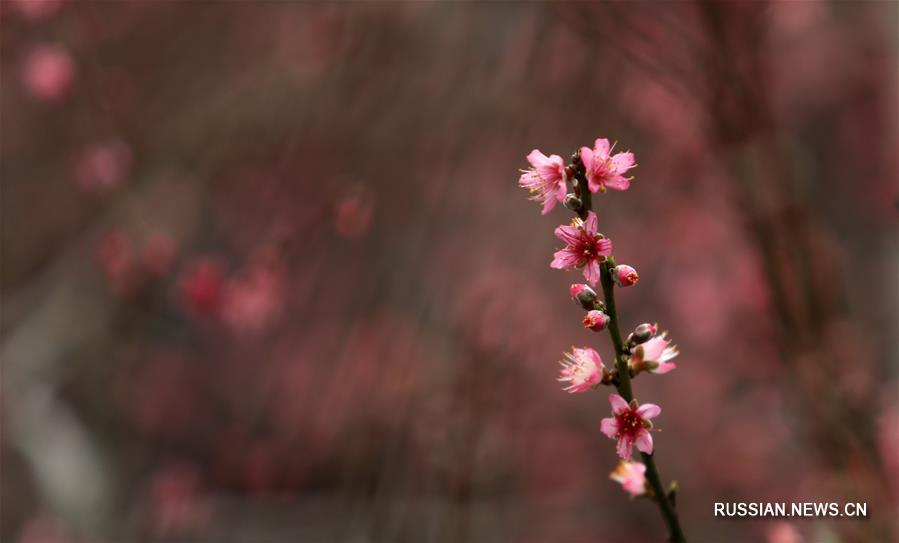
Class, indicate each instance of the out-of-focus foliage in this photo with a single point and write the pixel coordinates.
(266, 274)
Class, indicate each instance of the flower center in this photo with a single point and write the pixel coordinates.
(629, 422)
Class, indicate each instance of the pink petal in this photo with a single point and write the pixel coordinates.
(564, 259)
(590, 223)
(605, 247)
(527, 179)
(561, 192)
(548, 205)
(625, 446)
(652, 349)
(664, 368)
(644, 441)
(537, 159)
(593, 356)
(591, 272)
(618, 182)
(609, 427)
(649, 411)
(602, 148)
(623, 161)
(568, 234)
(552, 168)
(587, 159)
(618, 404)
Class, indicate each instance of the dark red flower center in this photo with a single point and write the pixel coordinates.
(629, 423)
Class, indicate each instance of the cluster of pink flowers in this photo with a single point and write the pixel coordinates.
(591, 171)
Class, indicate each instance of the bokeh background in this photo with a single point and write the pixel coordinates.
(267, 276)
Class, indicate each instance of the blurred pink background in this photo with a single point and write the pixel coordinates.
(267, 275)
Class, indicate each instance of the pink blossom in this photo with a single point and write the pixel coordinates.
(585, 247)
(48, 72)
(201, 286)
(624, 275)
(104, 165)
(630, 424)
(654, 355)
(596, 320)
(353, 215)
(632, 477)
(582, 369)
(605, 169)
(783, 532)
(253, 298)
(35, 10)
(545, 179)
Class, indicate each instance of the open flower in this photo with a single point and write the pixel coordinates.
(605, 169)
(630, 424)
(632, 477)
(585, 247)
(581, 369)
(654, 355)
(545, 179)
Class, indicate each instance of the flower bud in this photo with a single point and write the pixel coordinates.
(572, 202)
(584, 295)
(644, 332)
(624, 275)
(596, 320)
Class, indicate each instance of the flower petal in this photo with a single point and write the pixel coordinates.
(609, 426)
(564, 259)
(593, 356)
(649, 411)
(644, 441)
(591, 272)
(548, 205)
(618, 182)
(552, 168)
(622, 162)
(664, 367)
(587, 158)
(605, 246)
(590, 223)
(561, 191)
(537, 159)
(602, 147)
(653, 349)
(618, 404)
(570, 235)
(625, 446)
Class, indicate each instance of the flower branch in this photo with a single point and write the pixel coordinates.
(590, 171)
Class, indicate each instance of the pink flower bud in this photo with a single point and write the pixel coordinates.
(584, 295)
(596, 320)
(624, 275)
